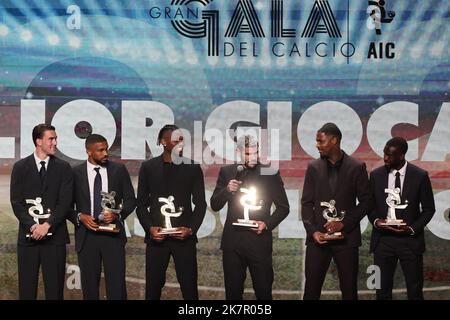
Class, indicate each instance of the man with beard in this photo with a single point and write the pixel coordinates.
(42, 182)
(245, 247)
(173, 182)
(404, 242)
(96, 246)
(343, 179)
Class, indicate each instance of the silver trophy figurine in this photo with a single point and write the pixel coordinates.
(37, 212)
(168, 211)
(109, 204)
(248, 201)
(331, 214)
(394, 202)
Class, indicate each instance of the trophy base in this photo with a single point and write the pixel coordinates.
(170, 231)
(28, 235)
(396, 222)
(246, 223)
(108, 228)
(333, 236)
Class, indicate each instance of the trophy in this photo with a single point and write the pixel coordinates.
(331, 214)
(37, 212)
(168, 211)
(248, 201)
(394, 201)
(109, 204)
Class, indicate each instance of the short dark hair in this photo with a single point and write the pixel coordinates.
(331, 129)
(39, 130)
(399, 143)
(94, 138)
(167, 127)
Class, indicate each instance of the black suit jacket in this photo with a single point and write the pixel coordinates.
(118, 181)
(417, 190)
(190, 188)
(270, 189)
(56, 194)
(353, 183)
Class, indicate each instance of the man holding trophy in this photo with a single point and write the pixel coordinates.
(103, 198)
(41, 195)
(331, 216)
(403, 205)
(247, 234)
(167, 186)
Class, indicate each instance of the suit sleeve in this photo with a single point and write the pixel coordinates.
(129, 198)
(17, 199)
(427, 204)
(372, 212)
(198, 199)
(353, 218)
(280, 200)
(220, 195)
(308, 201)
(64, 202)
(143, 199)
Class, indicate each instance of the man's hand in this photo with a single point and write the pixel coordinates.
(404, 229)
(184, 233)
(40, 231)
(108, 216)
(88, 221)
(316, 236)
(155, 235)
(233, 185)
(333, 226)
(261, 227)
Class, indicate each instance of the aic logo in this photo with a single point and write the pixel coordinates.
(191, 19)
(377, 15)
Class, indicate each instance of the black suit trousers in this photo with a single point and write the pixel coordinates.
(386, 255)
(157, 257)
(52, 258)
(103, 248)
(318, 259)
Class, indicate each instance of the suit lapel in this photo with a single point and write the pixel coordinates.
(85, 183)
(50, 173)
(385, 185)
(406, 183)
(323, 180)
(34, 174)
(110, 174)
(158, 171)
(343, 172)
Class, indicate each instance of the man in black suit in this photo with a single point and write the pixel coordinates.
(42, 242)
(171, 175)
(406, 243)
(339, 177)
(93, 245)
(244, 247)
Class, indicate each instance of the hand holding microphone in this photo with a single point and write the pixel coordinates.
(234, 184)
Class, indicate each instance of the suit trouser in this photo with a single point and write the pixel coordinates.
(184, 255)
(109, 249)
(235, 263)
(318, 259)
(53, 260)
(386, 255)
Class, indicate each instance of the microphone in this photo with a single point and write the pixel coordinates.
(240, 173)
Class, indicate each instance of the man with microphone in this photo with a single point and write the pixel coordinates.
(243, 246)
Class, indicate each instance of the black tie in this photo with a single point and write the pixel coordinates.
(97, 193)
(42, 172)
(397, 181)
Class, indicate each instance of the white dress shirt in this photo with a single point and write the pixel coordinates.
(38, 162)
(392, 173)
(91, 178)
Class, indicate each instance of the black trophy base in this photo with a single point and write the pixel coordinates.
(170, 231)
(332, 237)
(246, 223)
(28, 235)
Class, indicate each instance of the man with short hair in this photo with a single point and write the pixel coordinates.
(406, 242)
(179, 181)
(41, 184)
(245, 247)
(96, 246)
(339, 177)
